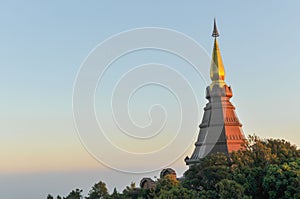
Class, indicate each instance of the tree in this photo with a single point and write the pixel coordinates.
(74, 194)
(208, 172)
(262, 152)
(283, 181)
(131, 192)
(249, 166)
(177, 193)
(50, 196)
(98, 191)
(282, 151)
(266, 168)
(115, 195)
(230, 189)
(210, 194)
(250, 179)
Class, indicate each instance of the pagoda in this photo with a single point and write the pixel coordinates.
(220, 129)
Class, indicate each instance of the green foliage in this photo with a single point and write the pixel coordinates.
(261, 152)
(250, 179)
(166, 183)
(208, 172)
(170, 188)
(250, 166)
(209, 194)
(230, 189)
(115, 195)
(98, 191)
(50, 196)
(258, 171)
(283, 181)
(74, 194)
(267, 168)
(131, 192)
(177, 193)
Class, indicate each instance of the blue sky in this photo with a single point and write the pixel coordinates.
(44, 43)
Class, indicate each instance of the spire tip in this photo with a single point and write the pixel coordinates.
(215, 31)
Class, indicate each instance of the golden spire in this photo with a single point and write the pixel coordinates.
(217, 72)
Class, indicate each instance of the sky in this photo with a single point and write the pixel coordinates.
(44, 44)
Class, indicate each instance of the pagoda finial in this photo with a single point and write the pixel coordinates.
(217, 72)
(215, 31)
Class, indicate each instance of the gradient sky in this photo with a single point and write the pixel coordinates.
(44, 43)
